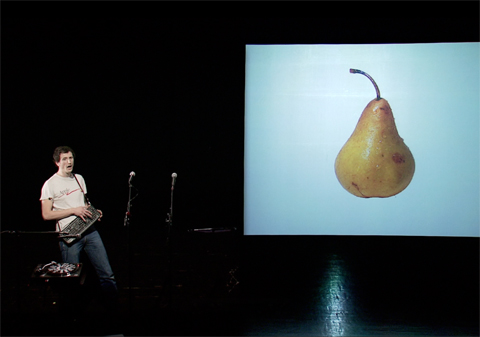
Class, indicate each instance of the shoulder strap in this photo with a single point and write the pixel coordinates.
(84, 195)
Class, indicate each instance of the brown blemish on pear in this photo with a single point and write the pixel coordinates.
(375, 161)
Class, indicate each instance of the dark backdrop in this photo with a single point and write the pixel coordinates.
(150, 96)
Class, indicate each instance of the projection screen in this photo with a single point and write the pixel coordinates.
(302, 104)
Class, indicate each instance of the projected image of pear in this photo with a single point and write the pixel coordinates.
(375, 162)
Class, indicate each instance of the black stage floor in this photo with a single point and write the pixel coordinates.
(221, 283)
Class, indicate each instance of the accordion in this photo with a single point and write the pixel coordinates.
(77, 227)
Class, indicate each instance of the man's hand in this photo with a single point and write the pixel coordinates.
(82, 212)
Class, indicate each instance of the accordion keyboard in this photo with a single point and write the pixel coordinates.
(78, 226)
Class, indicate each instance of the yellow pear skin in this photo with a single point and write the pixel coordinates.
(375, 162)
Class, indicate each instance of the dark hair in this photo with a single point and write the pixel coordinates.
(59, 150)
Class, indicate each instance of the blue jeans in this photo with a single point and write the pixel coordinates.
(93, 245)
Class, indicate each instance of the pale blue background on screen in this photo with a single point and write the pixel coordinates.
(301, 106)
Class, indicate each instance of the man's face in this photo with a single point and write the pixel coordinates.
(65, 164)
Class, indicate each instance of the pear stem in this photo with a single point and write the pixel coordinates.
(356, 71)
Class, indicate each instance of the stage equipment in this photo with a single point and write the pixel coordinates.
(213, 230)
(55, 269)
(232, 278)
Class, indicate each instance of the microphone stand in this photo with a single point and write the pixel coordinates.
(126, 223)
(61, 235)
(33, 232)
(169, 220)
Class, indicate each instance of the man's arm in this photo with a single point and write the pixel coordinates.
(49, 214)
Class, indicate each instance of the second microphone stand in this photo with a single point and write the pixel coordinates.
(126, 223)
(169, 221)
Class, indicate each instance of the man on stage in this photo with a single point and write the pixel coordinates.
(63, 198)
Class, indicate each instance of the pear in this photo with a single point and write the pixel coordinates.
(375, 162)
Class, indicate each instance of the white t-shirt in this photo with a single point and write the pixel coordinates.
(65, 193)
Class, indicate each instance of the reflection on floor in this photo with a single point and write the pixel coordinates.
(221, 283)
